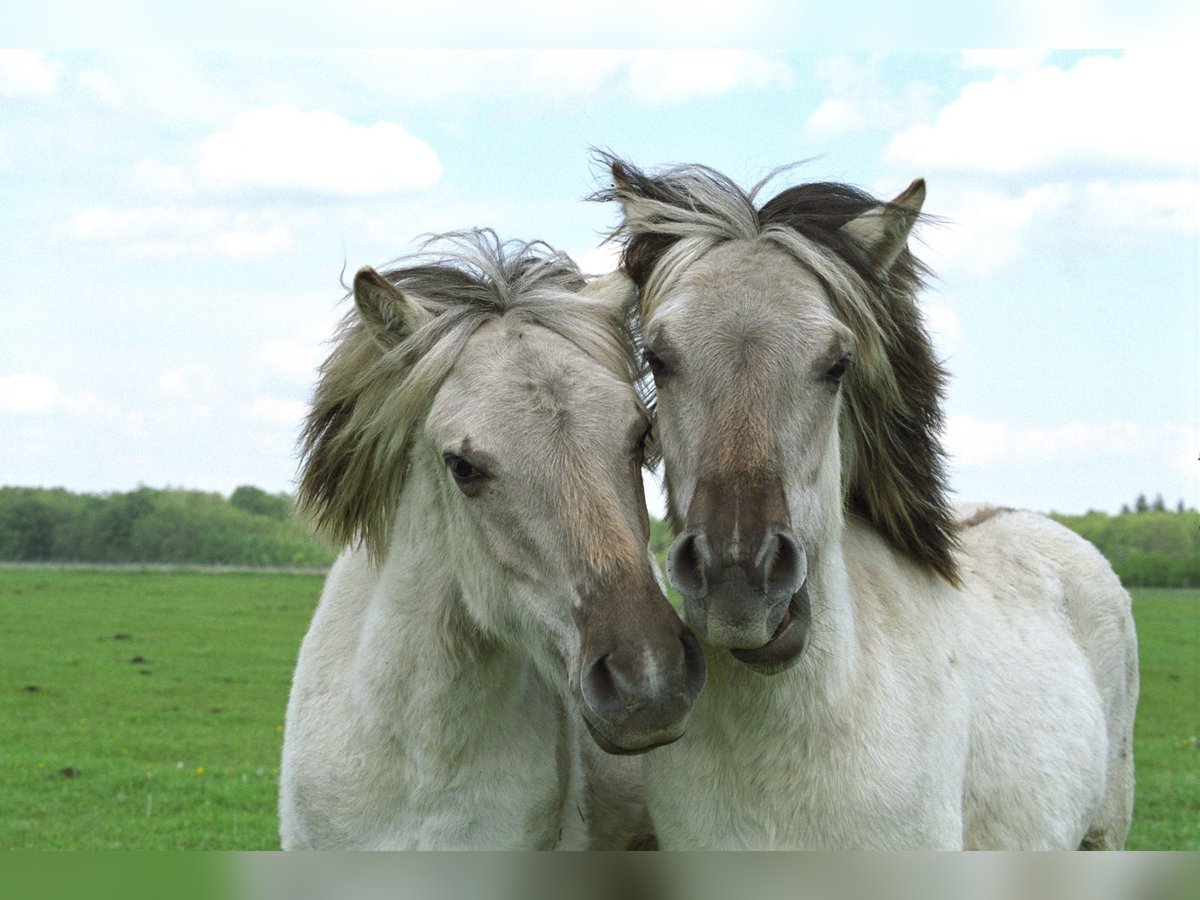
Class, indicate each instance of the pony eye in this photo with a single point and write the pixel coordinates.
(468, 478)
(838, 371)
(657, 367)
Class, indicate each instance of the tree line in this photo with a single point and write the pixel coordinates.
(1148, 544)
(249, 528)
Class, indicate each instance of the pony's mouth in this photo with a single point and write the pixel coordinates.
(608, 746)
(789, 641)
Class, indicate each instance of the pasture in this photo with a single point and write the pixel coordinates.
(144, 710)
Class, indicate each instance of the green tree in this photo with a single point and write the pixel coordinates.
(148, 525)
(258, 502)
(27, 526)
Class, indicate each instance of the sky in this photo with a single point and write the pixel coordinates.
(177, 226)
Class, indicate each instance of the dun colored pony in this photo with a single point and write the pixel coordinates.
(477, 440)
(884, 671)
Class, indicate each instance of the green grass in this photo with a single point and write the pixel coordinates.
(181, 749)
(144, 710)
(1167, 734)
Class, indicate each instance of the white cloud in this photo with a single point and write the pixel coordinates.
(101, 86)
(25, 73)
(599, 260)
(247, 244)
(666, 77)
(168, 232)
(275, 412)
(943, 324)
(559, 72)
(298, 356)
(1138, 207)
(188, 383)
(285, 148)
(26, 394)
(987, 229)
(124, 225)
(834, 117)
(651, 78)
(158, 178)
(1117, 111)
(1003, 60)
(863, 92)
(974, 442)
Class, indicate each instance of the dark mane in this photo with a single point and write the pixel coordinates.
(893, 466)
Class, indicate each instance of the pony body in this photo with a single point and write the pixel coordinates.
(495, 620)
(922, 716)
(886, 672)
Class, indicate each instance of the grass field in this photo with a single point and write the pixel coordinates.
(143, 710)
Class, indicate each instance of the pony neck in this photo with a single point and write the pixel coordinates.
(833, 656)
(437, 657)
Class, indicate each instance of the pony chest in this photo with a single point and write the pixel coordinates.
(507, 785)
(733, 783)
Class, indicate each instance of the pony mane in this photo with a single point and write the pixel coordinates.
(370, 399)
(893, 465)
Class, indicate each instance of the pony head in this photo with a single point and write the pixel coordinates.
(477, 420)
(795, 384)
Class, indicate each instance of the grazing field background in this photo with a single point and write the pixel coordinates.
(144, 709)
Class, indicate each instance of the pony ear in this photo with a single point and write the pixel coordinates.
(642, 203)
(625, 192)
(883, 231)
(389, 314)
(619, 176)
(616, 292)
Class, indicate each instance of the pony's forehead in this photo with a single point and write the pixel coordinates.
(744, 284)
(512, 375)
(508, 348)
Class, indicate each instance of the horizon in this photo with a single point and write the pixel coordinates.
(1155, 502)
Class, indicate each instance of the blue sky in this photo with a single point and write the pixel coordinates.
(176, 224)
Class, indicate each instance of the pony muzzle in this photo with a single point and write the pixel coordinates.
(755, 606)
(638, 695)
(788, 642)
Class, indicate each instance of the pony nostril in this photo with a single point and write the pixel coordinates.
(781, 563)
(611, 693)
(601, 692)
(652, 681)
(687, 562)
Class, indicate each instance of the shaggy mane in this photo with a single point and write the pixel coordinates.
(370, 400)
(893, 464)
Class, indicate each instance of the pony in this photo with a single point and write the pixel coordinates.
(495, 627)
(885, 671)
